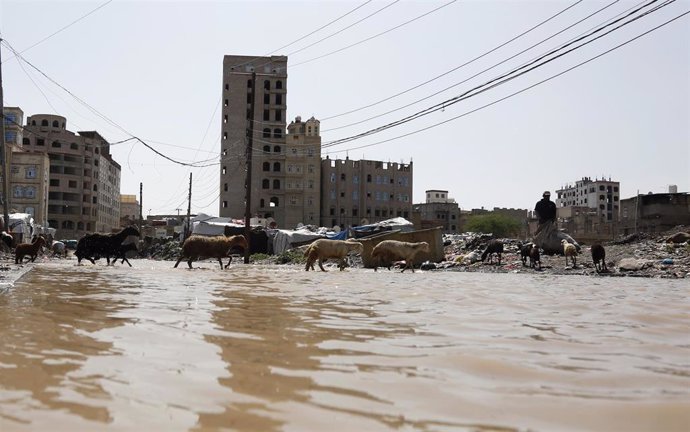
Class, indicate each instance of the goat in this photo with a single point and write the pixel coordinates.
(30, 249)
(569, 250)
(534, 257)
(95, 246)
(389, 251)
(493, 247)
(599, 257)
(323, 249)
(219, 247)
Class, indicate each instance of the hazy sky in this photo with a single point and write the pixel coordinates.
(154, 70)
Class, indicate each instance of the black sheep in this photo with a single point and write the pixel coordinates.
(599, 257)
(534, 257)
(493, 247)
(122, 252)
(95, 246)
(525, 250)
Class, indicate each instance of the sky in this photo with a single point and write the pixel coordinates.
(153, 69)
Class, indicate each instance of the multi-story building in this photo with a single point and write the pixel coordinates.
(28, 187)
(364, 191)
(439, 210)
(84, 185)
(302, 174)
(599, 194)
(254, 112)
(654, 212)
(129, 209)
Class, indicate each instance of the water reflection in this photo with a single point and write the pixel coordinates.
(46, 325)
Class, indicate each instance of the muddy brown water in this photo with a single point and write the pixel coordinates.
(264, 348)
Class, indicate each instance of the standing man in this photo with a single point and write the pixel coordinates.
(545, 209)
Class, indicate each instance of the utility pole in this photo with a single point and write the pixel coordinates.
(141, 205)
(248, 183)
(189, 208)
(5, 198)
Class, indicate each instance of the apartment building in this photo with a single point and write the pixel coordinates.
(254, 111)
(129, 209)
(84, 183)
(364, 191)
(302, 174)
(439, 210)
(600, 195)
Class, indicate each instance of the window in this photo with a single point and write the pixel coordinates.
(267, 85)
(265, 184)
(55, 182)
(342, 176)
(224, 170)
(279, 99)
(276, 149)
(332, 211)
(276, 184)
(332, 177)
(274, 202)
(266, 115)
(266, 166)
(276, 166)
(266, 133)
(277, 133)
(72, 184)
(26, 141)
(279, 115)
(267, 149)
(44, 123)
(368, 178)
(225, 187)
(30, 192)
(267, 99)
(262, 203)
(225, 204)
(17, 192)
(249, 83)
(279, 84)
(40, 142)
(31, 172)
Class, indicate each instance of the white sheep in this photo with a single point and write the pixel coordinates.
(196, 247)
(569, 250)
(387, 252)
(323, 249)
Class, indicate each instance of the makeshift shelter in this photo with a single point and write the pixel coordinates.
(203, 224)
(289, 239)
(21, 227)
(433, 236)
(395, 224)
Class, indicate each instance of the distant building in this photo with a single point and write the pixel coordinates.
(654, 212)
(84, 185)
(439, 210)
(589, 209)
(129, 210)
(28, 188)
(359, 192)
(302, 174)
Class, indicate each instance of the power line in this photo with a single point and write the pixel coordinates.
(519, 91)
(505, 77)
(457, 67)
(60, 30)
(376, 35)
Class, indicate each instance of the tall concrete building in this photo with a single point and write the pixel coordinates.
(84, 186)
(600, 195)
(360, 192)
(302, 173)
(254, 99)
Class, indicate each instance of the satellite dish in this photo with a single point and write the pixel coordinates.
(364, 221)
(336, 228)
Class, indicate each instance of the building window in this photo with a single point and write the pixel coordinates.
(276, 149)
(266, 115)
(40, 142)
(267, 85)
(44, 122)
(277, 133)
(279, 99)
(276, 184)
(30, 192)
(224, 170)
(265, 184)
(262, 203)
(17, 192)
(31, 172)
(249, 83)
(267, 149)
(267, 99)
(266, 166)
(276, 166)
(274, 202)
(279, 115)
(342, 176)
(225, 187)
(225, 204)
(267, 133)
(55, 182)
(279, 84)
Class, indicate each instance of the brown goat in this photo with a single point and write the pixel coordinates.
(389, 251)
(196, 247)
(323, 249)
(28, 249)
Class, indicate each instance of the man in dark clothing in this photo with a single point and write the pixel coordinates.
(545, 209)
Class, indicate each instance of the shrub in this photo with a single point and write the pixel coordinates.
(498, 224)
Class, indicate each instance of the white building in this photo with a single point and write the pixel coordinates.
(599, 194)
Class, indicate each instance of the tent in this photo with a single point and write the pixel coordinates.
(398, 223)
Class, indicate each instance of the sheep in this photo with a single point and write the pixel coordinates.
(569, 250)
(524, 251)
(323, 249)
(219, 247)
(388, 251)
(493, 247)
(95, 246)
(534, 257)
(30, 249)
(599, 257)
(59, 249)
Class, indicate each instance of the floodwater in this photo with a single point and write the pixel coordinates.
(152, 348)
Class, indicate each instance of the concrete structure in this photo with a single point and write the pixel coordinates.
(654, 213)
(360, 192)
(439, 210)
(12, 120)
(129, 210)
(84, 185)
(268, 122)
(599, 194)
(28, 186)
